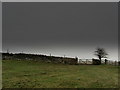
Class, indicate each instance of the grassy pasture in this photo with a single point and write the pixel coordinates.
(36, 74)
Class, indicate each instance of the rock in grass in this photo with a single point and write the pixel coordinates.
(43, 73)
(26, 75)
(52, 75)
(78, 78)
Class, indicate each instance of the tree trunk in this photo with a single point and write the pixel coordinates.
(100, 59)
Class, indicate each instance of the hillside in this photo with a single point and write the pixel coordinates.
(37, 74)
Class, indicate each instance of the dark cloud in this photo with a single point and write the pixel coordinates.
(60, 25)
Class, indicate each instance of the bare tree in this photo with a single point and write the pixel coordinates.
(100, 53)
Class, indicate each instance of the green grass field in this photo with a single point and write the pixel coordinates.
(36, 74)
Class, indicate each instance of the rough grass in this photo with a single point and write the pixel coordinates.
(36, 74)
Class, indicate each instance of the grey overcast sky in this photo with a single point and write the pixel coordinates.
(60, 0)
(70, 28)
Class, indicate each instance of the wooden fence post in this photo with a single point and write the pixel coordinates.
(86, 61)
(115, 63)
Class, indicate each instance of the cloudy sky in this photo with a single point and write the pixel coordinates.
(60, 0)
(71, 29)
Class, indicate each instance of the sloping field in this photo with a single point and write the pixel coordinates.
(36, 74)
